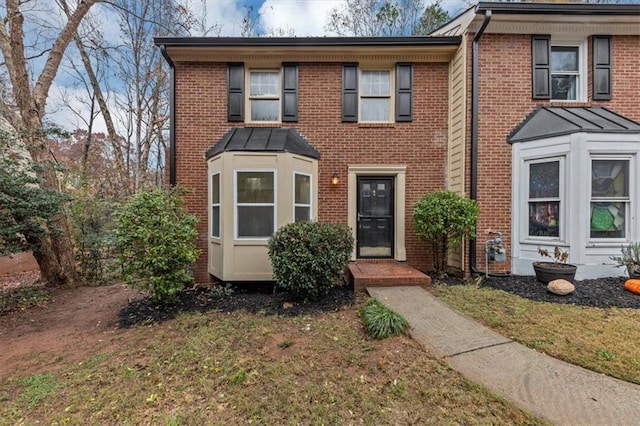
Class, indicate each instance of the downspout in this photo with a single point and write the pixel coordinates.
(473, 181)
(172, 121)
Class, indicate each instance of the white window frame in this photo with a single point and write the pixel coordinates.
(236, 204)
(276, 97)
(390, 96)
(561, 199)
(582, 74)
(310, 205)
(626, 200)
(215, 205)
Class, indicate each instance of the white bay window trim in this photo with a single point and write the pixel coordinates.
(545, 220)
(609, 203)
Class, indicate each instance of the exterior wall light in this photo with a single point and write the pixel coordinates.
(334, 179)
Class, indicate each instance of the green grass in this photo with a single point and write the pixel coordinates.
(231, 368)
(604, 340)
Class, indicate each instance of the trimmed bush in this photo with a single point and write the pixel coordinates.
(155, 240)
(309, 257)
(445, 219)
(382, 322)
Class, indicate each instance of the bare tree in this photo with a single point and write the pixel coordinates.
(29, 94)
(375, 18)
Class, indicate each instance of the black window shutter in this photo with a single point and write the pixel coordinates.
(235, 92)
(404, 92)
(290, 92)
(350, 92)
(602, 68)
(541, 66)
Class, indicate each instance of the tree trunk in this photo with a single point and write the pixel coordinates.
(54, 253)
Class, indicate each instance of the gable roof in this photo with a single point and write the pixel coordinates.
(527, 17)
(263, 139)
(545, 122)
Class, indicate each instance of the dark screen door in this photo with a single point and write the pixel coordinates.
(375, 217)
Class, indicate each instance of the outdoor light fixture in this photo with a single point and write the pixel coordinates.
(334, 179)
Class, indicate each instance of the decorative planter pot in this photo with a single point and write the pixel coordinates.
(549, 271)
(633, 271)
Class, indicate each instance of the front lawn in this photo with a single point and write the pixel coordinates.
(604, 340)
(239, 368)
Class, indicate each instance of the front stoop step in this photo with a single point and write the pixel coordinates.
(363, 274)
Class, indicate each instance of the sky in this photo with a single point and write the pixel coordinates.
(298, 17)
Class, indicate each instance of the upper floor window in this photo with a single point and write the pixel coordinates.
(375, 96)
(559, 69)
(609, 198)
(264, 95)
(565, 72)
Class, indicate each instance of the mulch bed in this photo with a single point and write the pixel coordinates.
(600, 293)
(254, 298)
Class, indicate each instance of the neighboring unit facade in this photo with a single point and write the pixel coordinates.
(356, 130)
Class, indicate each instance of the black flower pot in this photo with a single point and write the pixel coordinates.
(549, 271)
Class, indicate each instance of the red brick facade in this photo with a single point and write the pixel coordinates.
(505, 100)
(421, 145)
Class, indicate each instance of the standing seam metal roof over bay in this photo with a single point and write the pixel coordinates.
(545, 122)
(263, 139)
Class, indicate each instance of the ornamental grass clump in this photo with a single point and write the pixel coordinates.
(308, 258)
(382, 322)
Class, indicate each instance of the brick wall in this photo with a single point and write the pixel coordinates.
(420, 145)
(505, 100)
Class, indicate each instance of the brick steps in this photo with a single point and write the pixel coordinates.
(387, 273)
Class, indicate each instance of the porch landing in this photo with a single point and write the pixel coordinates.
(365, 273)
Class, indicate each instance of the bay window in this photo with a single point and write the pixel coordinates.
(609, 203)
(215, 205)
(544, 198)
(302, 197)
(255, 204)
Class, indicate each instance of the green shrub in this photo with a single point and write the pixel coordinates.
(382, 322)
(26, 210)
(446, 219)
(92, 229)
(155, 240)
(309, 257)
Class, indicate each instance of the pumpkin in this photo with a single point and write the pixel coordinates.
(633, 285)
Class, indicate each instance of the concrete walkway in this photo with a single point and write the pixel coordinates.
(555, 390)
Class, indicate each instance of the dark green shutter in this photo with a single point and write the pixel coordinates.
(541, 66)
(404, 92)
(290, 92)
(350, 92)
(602, 68)
(235, 92)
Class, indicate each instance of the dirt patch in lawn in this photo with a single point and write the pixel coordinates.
(73, 324)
